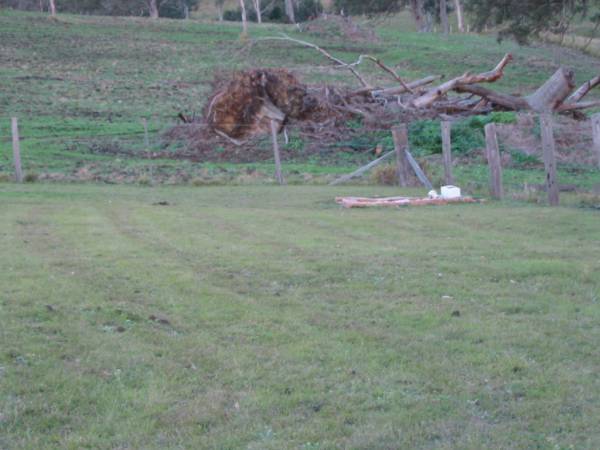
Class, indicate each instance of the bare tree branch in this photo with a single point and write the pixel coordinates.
(583, 90)
(488, 77)
(328, 55)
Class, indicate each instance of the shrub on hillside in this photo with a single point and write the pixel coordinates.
(425, 135)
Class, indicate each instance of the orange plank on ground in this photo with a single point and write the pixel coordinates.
(364, 202)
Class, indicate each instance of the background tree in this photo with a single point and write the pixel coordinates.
(244, 19)
(418, 12)
(153, 9)
(257, 10)
(289, 11)
(176, 9)
(459, 16)
(524, 18)
(368, 6)
(444, 16)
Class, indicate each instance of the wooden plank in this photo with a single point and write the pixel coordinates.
(278, 173)
(447, 152)
(364, 202)
(494, 163)
(400, 136)
(16, 150)
(363, 169)
(418, 171)
(596, 133)
(549, 150)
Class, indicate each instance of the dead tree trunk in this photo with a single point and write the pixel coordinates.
(549, 97)
(52, 5)
(459, 16)
(152, 9)
(553, 92)
(257, 9)
(289, 11)
(444, 16)
(244, 19)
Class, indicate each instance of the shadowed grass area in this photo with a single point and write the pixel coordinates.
(270, 318)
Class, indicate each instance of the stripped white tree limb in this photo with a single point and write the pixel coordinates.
(488, 77)
(583, 90)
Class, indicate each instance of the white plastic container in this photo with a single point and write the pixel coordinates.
(449, 192)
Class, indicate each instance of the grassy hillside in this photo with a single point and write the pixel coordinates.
(268, 318)
(80, 85)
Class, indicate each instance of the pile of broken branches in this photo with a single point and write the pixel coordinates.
(243, 107)
(556, 95)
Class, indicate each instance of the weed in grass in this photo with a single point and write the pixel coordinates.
(528, 195)
(589, 200)
(31, 177)
(523, 160)
(386, 175)
(144, 180)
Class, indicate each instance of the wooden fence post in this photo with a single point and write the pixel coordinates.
(549, 149)
(493, 157)
(596, 132)
(447, 152)
(400, 136)
(16, 150)
(278, 173)
(146, 138)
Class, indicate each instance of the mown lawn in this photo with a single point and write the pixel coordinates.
(269, 318)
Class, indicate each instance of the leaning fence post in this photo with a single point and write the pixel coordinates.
(447, 152)
(278, 173)
(16, 150)
(549, 149)
(493, 157)
(418, 171)
(596, 132)
(400, 136)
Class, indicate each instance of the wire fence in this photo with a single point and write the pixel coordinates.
(142, 139)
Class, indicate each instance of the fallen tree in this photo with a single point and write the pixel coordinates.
(245, 106)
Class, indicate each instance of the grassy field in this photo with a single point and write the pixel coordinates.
(267, 318)
(80, 86)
